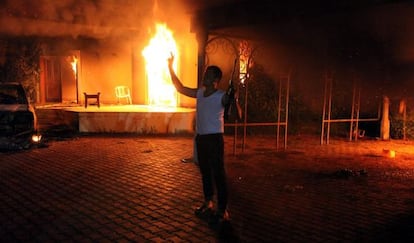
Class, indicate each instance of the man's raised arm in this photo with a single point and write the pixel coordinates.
(191, 92)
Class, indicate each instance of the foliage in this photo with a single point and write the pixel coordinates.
(261, 97)
(301, 118)
(22, 64)
(263, 104)
(397, 127)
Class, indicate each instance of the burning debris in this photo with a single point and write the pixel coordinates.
(389, 153)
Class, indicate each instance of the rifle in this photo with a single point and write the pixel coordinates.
(232, 103)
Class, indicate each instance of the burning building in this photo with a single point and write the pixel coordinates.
(90, 47)
(94, 46)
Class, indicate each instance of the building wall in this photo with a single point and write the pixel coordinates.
(106, 63)
(187, 69)
(103, 67)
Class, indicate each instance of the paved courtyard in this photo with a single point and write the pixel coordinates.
(136, 189)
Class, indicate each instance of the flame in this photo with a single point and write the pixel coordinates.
(74, 64)
(242, 69)
(160, 88)
(36, 138)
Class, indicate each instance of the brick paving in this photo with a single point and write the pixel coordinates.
(135, 189)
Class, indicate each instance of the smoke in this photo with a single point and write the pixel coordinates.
(92, 18)
(394, 25)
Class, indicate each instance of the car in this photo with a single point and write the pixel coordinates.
(18, 121)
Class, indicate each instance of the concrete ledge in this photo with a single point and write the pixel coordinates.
(120, 119)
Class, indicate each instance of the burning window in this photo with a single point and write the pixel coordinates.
(161, 91)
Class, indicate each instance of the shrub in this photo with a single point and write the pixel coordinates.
(22, 64)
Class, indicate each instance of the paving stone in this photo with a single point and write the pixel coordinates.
(136, 189)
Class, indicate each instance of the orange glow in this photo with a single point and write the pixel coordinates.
(244, 62)
(389, 153)
(161, 91)
(74, 64)
(36, 138)
(243, 69)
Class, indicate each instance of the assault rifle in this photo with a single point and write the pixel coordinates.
(232, 104)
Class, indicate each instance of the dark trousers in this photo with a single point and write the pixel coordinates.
(210, 149)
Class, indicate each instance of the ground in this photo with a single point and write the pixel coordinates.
(110, 188)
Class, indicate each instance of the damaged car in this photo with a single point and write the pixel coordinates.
(18, 121)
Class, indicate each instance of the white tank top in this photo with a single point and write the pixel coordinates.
(210, 110)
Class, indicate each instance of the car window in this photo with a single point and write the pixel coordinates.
(12, 95)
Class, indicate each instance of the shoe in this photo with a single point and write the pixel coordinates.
(219, 217)
(205, 210)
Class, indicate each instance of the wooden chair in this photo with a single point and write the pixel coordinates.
(92, 96)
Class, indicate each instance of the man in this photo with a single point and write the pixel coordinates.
(209, 139)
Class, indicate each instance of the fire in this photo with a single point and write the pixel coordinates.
(74, 64)
(161, 91)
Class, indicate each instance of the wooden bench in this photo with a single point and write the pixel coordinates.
(92, 96)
